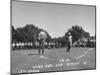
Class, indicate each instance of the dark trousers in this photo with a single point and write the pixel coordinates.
(68, 47)
(41, 46)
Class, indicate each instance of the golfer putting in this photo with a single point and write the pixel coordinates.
(42, 38)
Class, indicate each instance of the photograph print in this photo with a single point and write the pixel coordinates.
(52, 37)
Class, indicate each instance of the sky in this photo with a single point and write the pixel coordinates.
(56, 19)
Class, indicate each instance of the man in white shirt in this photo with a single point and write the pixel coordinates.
(69, 44)
(42, 37)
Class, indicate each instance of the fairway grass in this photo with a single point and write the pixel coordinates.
(29, 61)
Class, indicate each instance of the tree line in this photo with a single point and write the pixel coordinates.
(29, 33)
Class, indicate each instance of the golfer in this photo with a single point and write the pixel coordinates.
(41, 37)
(69, 44)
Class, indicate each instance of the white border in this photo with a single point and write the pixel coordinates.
(5, 37)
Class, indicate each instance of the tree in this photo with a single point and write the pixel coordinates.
(13, 34)
(77, 33)
(20, 35)
(28, 33)
(48, 37)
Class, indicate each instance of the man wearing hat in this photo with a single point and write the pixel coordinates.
(69, 44)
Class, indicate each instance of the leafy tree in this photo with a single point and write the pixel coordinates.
(28, 33)
(77, 32)
(20, 35)
(49, 39)
(13, 34)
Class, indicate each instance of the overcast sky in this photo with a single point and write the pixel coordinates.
(56, 19)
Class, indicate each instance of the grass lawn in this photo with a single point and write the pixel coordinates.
(28, 61)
